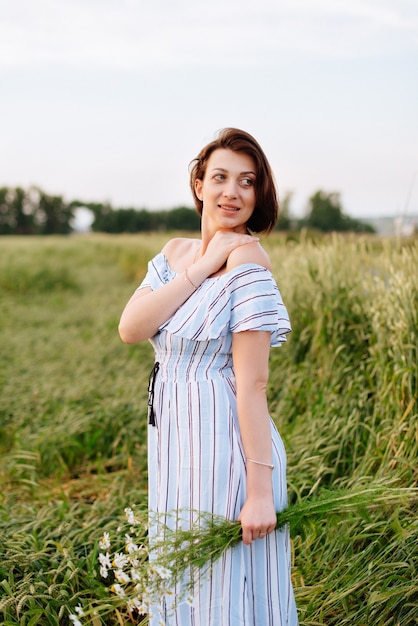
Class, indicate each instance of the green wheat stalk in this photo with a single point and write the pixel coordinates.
(207, 539)
(173, 557)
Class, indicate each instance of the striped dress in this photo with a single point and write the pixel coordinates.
(195, 454)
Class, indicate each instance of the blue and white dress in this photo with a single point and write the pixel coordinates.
(196, 459)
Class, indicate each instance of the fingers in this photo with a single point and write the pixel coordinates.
(221, 245)
(242, 240)
(248, 535)
(232, 239)
(248, 238)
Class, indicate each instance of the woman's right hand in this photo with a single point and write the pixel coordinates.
(219, 248)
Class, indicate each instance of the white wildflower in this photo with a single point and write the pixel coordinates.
(163, 572)
(118, 589)
(75, 620)
(104, 543)
(137, 605)
(105, 564)
(131, 547)
(105, 560)
(135, 575)
(79, 610)
(122, 577)
(130, 516)
(120, 560)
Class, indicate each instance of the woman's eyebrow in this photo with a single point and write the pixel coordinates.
(222, 169)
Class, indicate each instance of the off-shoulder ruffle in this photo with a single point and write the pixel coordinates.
(245, 298)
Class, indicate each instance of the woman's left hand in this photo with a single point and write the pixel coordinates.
(258, 519)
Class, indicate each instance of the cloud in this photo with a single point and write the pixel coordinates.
(129, 35)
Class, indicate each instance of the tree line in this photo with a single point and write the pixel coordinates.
(33, 212)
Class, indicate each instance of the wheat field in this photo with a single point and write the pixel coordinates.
(342, 391)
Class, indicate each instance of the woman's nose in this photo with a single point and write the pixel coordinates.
(230, 190)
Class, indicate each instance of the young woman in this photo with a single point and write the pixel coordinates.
(211, 309)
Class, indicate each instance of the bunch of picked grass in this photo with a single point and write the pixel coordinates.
(176, 557)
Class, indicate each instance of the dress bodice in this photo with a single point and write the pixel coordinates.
(245, 298)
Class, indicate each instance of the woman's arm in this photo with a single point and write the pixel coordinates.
(147, 310)
(250, 352)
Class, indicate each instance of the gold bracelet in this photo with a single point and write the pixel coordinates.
(261, 463)
(187, 277)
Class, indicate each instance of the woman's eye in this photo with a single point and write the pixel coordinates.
(219, 177)
(247, 182)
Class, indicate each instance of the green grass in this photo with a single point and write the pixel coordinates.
(343, 392)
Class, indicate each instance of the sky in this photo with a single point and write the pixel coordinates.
(110, 100)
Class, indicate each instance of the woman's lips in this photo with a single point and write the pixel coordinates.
(228, 207)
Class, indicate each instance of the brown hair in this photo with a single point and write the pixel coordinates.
(266, 207)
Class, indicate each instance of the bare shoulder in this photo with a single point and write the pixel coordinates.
(249, 253)
(178, 245)
(178, 249)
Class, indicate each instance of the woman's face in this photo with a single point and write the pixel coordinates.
(227, 189)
